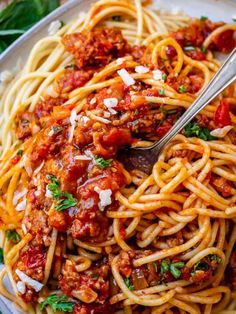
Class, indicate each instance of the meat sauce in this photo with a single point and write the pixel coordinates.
(74, 165)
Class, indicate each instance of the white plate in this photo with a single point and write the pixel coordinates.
(217, 10)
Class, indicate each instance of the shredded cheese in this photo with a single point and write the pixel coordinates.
(82, 157)
(141, 69)
(18, 195)
(21, 287)
(36, 285)
(221, 132)
(21, 206)
(120, 61)
(110, 103)
(48, 192)
(104, 197)
(126, 77)
(157, 75)
(73, 118)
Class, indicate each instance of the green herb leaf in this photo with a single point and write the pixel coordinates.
(129, 284)
(189, 48)
(164, 77)
(67, 202)
(201, 266)
(13, 236)
(182, 89)
(203, 49)
(20, 152)
(161, 92)
(193, 129)
(175, 271)
(102, 163)
(56, 129)
(178, 264)
(171, 111)
(116, 18)
(216, 258)
(203, 18)
(136, 112)
(54, 187)
(165, 266)
(58, 303)
(1, 256)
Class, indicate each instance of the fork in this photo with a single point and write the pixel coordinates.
(143, 159)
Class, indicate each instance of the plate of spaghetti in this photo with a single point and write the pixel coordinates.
(79, 232)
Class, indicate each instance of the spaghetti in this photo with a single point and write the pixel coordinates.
(82, 234)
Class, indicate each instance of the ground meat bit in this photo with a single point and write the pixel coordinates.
(37, 224)
(94, 308)
(97, 47)
(72, 79)
(95, 279)
(29, 296)
(176, 240)
(181, 153)
(221, 185)
(45, 106)
(203, 121)
(59, 220)
(125, 263)
(138, 52)
(24, 123)
(192, 83)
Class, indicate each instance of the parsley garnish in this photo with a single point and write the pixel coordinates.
(56, 129)
(20, 152)
(58, 303)
(64, 200)
(203, 49)
(193, 129)
(136, 112)
(189, 48)
(102, 163)
(165, 266)
(67, 202)
(161, 92)
(175, 269)
(216, 258)
(13, 236)
(116, 18)
(1, 256)
(182, 89)
(164, 76)
(203, 18)
(54, 188)
(129, 284)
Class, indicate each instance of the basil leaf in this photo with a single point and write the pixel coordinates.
(13, 236)
(67, 202)
(129, 284)
(193, 129)
(54, 187)
(58, 303)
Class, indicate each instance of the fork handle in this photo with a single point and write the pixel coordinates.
(224, 77)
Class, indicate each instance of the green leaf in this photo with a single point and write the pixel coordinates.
(1, 256)
(20, 152)
(182, 89)
(58, 303)
(203, 18)
(54, 187)
(203, 49)
(102, 163)
(13, 236)
(201, 266)
(164, 76)
(165, 266)
(193, 129)
(175, 271)
(161, 92)
(129, 284)
(189, 48)
(216, 258)
(67, 202)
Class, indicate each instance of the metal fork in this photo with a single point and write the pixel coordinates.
(144, 158)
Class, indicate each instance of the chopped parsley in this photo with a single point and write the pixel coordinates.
(58, 303)
(129, 284)
(161, 92)
(216, 258)
(1, 256)
(67, 202)
(102, 163)
(203, 18)
(175, 269)
(56, 129)
(116, 18)
(193, 129)
(189, 48)
(19, 152)
(164, 76)
(136, 112)
(182, 89)
(203, 49)
(13, 236)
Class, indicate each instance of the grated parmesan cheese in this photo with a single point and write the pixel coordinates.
(157, 75)
(18, 195)
(37, 170)
(21, 287)
(126, 77)
(107, 114)
(141, 69)
(104, 197)
(110, 103)
(73, 118)
(36, 285)
(21, 206)
(221, 132)
(93, 101)
(6, 76)
(54, 27)
(120, 61)
(48, 192)
(82, 157)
